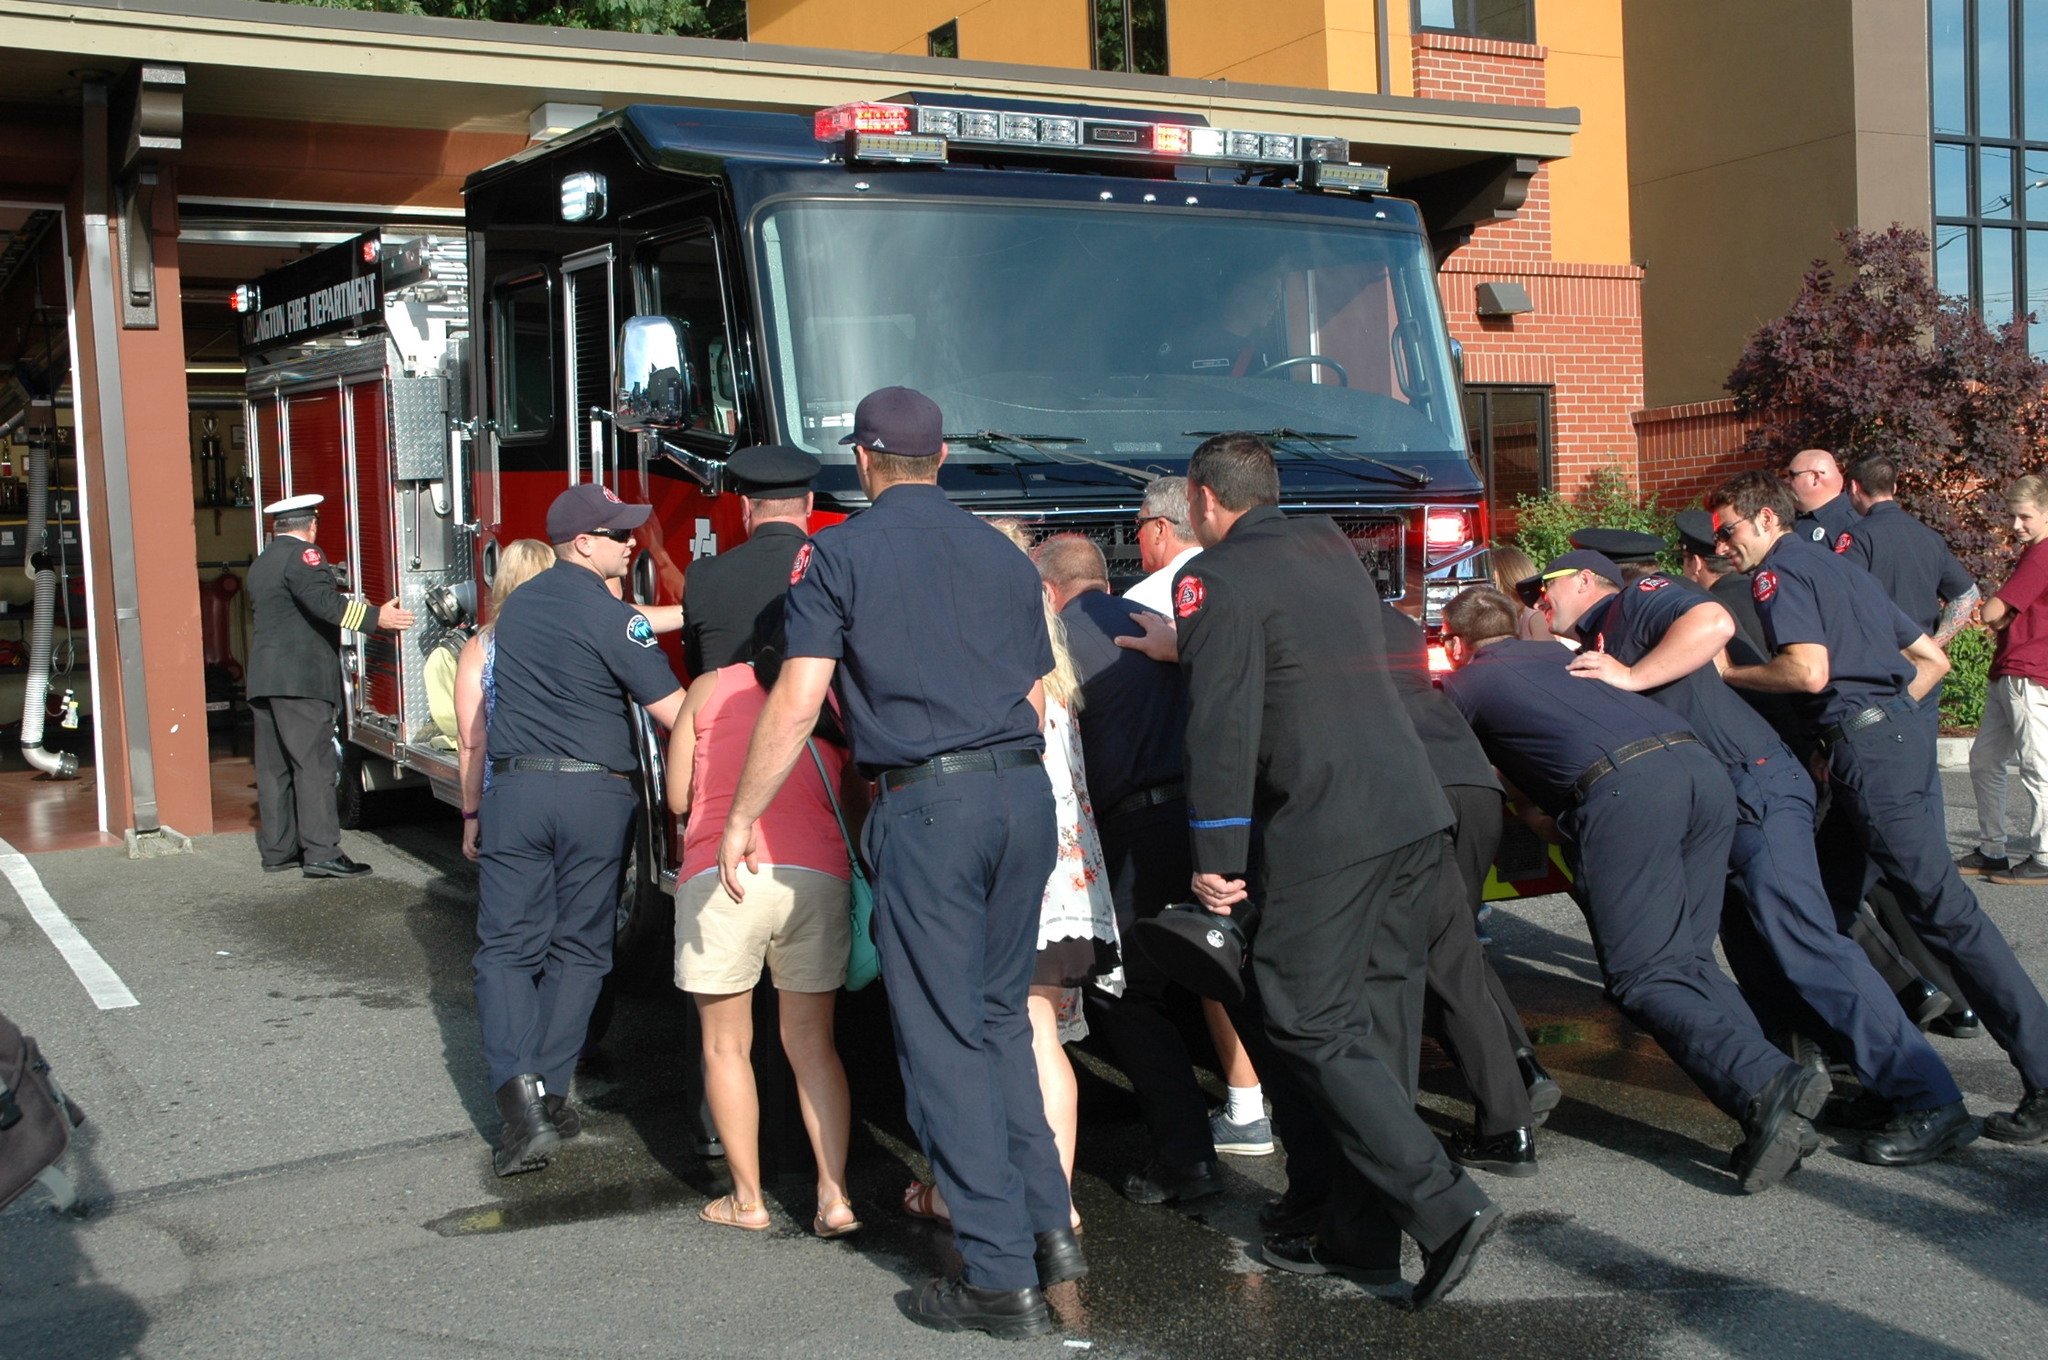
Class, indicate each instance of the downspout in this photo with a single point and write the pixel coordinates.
(1382, 48)
(106, 344)
(42, 571)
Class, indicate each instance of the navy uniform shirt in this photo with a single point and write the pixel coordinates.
(1628, 625)
(1544, 726)
(1134, 710)
(725, 596)
(1911, 561)
(1804, 593)
(1827, 524)
(937, 622)
(1454, 753)
(299, 612)
(1293, 722)
(569, 661)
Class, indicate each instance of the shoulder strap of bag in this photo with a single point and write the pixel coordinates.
(832, 797)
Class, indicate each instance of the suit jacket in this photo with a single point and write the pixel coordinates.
(295, 642)
(1294, 724)
(724, 596)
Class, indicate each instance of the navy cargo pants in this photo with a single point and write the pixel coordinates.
(1879, 779)
(548, 863)
(960, 864)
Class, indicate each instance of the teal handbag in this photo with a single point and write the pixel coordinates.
(863, 964)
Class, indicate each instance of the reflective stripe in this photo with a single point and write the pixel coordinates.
(353, 616)
(1219, 823)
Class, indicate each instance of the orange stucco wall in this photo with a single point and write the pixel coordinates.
(1030, 32)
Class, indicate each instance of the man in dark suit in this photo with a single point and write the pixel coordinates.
(723, 596)
(1294, 725)
(295, 690)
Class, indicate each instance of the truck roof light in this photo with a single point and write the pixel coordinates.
(245, 299)
(906, 148)
(829, 125)
(1344, 179)
(582, 197)
(1172, 139)
(371, 249)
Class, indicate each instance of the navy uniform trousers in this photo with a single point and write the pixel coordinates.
(294, 749)
(1149, 866)
(960, 863)
(1654, 914)
(551, 849)
(1785, 949)
(1879, 779)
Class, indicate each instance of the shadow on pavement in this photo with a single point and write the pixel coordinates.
(53, 1304)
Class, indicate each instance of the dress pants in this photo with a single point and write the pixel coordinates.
(2015, 725)
(1465, 998)
(1879, 780)
(960, 864)
(1651, 842)
(1784, 947)
(1146, 853)
(1475, 840)
(1338, 962)
(295, 773)
(551, 851)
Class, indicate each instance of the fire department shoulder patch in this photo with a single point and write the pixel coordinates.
(311, 557)
(801, 565)
(639, 630)
(1842, 543)
(1763, 586)
(1650, 583)
(1187, 597)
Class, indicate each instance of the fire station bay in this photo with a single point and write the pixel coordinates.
(436, 271)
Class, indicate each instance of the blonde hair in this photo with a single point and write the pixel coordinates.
(2029, 490)
(1063, 681)
(1509, 566)
(1012, 528)
(521, 561)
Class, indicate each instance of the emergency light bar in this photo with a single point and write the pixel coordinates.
(245, 298)
(874, 130)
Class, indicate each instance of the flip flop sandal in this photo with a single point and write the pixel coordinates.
(824, 1229)
(918, 1199)
(725, 1212)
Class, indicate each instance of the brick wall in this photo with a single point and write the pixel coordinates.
(1483, 70)
(1686, 451)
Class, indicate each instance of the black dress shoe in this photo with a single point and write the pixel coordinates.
(1923, 1002)
(1917, 1136)
(957, 1306)
(1292, 1214)
(283, 868)
(1544, 1093)
(1445, 1267)
(1165, 1183)
(529, 1137)
(2027, 1124)
(1058, 1257)
(1305, 1254)
(567, 1119)
(1959, 1023)
(1776, 1126)
(1504, 1154)
(341, 866)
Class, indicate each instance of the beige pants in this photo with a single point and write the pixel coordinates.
(794, 920)
(2015, 725)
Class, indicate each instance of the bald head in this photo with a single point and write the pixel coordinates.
(1815, 478)
(1070, 565)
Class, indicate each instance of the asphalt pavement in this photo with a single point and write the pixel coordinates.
(286, 1157)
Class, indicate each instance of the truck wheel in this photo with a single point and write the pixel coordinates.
(349, 798)
(643, 949)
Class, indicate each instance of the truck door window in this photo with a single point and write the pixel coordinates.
(524, 367)
(682, 281)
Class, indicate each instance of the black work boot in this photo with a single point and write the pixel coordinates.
(529, 1136)
(567, 1119)
(1917, 1136)
(957, 1306)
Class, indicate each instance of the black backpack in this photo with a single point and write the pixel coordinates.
(35, 1123)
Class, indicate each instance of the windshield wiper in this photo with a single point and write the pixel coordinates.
(1052, 445)
(1320, 441)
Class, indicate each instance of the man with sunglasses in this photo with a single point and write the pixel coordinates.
(1862, 666)
(570, 660)
(1166, 542)
(1825, 512)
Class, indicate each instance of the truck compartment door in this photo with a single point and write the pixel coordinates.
(589, 329)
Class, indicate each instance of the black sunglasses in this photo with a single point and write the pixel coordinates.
(615, 535)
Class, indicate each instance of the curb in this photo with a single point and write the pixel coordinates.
(1953, 753)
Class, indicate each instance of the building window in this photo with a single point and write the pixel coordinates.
(943, 41)
(1130, 35)
(1510, 432)
(1504, 20)
(1988, 109)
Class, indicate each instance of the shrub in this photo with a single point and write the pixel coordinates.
(1962, 694)
(1545, 523)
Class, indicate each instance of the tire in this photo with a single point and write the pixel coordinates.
(643, 941)
(350, 801)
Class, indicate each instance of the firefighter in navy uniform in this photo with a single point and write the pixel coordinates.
(1282, 645)
(295, 691)
(569, 660)
(1659, 638)
(725, 595)
(1825, 511)
(1864, 665)
(931, 626)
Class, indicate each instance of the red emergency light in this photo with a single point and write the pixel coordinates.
(1439, 659)
(833, 123)
(1172, 139)
(1445, 529)
(243, 299)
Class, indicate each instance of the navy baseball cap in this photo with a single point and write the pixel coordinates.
(898, 420)
(771, 470)
(589, 507)
(1580, 559)
(1696, 532)
(1620, 545)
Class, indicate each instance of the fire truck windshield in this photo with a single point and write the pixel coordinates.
(1123, 334)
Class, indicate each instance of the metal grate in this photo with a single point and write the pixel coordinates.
(590, 373)
(1381, 541)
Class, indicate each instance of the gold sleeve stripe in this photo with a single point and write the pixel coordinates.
(353, 616)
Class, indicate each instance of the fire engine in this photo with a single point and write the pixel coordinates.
(1087, 293)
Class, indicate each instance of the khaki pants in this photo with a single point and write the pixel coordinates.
(2015, 725)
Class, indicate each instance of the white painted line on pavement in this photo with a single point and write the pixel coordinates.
(101, 982)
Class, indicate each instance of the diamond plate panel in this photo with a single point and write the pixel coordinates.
(419, 429)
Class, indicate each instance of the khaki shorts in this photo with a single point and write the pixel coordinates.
(794, 919)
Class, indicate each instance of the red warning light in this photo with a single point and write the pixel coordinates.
(829, 125)
(1445, 529)
(1171, 139)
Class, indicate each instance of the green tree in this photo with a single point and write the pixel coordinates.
(1544, 524)
(688, 18)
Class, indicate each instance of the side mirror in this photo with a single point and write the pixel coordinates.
(654, 382)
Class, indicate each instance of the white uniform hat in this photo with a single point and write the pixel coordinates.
(291, 503)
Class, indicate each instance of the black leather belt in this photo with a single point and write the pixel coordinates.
(1868, 717)
(552, 765)
(960, 762)
(1168, 792)
(1608, 764)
